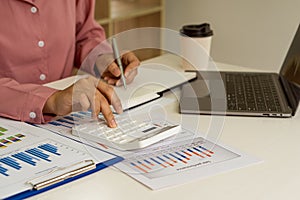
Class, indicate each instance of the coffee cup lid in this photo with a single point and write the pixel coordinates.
(197, 30)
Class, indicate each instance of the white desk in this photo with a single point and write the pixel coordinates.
(276, 141)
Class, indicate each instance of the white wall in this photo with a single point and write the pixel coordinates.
(252, 33)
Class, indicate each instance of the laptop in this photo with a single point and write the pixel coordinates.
(246, 93)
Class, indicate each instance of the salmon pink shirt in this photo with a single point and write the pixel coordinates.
(41, 41)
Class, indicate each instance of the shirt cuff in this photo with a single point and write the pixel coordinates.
(33, 108)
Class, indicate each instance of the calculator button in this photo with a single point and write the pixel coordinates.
(118, 133)
(109, 136)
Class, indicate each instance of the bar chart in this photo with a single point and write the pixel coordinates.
(36, 157)
(180, 156)
(64, 124)
(10, 137)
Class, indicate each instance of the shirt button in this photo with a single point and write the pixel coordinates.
(32, 115)
(42, 77)
(33, 9)
(41, 43)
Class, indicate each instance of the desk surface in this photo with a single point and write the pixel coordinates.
(275, 141)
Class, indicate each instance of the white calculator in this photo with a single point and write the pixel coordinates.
(129, 135)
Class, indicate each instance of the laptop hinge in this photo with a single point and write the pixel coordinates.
(291, 96)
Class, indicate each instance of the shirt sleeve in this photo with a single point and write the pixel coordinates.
(89, 33)
(24, 102)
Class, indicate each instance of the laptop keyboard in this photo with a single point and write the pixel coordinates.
(251, 92)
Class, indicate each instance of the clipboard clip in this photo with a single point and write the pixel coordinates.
(58, 174)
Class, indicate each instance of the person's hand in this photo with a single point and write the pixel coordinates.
(87, 93)
(112, 73)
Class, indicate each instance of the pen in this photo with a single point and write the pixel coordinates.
(119, 62)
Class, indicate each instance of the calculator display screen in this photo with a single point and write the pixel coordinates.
(149, 129)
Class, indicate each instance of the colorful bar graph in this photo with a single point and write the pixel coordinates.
(174, 161)
(196, 153)
(150, 163)
(139, 168)
(38, 153)
(20, 135)
(158, 162)
(186, 153)
(11, 162)
(4, 141)
(139, 162)
(14, 139)
(166, 162)
(183, 156)
(211, 152)
(177, 158)
(201, 151)
(3, 129)
(180, 156)
(50, 148)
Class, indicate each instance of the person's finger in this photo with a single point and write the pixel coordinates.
(131, 62)
(95, 106)
(100, 103)
(129, 77)
(114, 69)
(112, 81)
(106, 111)
(110, 94)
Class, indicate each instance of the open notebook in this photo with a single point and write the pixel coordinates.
(152, 80)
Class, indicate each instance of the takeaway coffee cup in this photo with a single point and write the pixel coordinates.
(195, 46)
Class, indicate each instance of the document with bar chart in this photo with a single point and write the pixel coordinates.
(177, 160)
(30, 156)
(181, 160)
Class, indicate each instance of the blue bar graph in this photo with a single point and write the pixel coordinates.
(59, 124)
(77, 115)
(3, 171)
(25, 158)
(69, 118)
(65, 121)
(33, 158)
(11, 162)
(50, 148)
(38, 153)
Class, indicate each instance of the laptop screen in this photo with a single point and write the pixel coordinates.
(290, 71)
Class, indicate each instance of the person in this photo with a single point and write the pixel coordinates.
(41, 42)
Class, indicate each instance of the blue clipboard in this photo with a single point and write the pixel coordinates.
(99, 166)
(71, 176)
